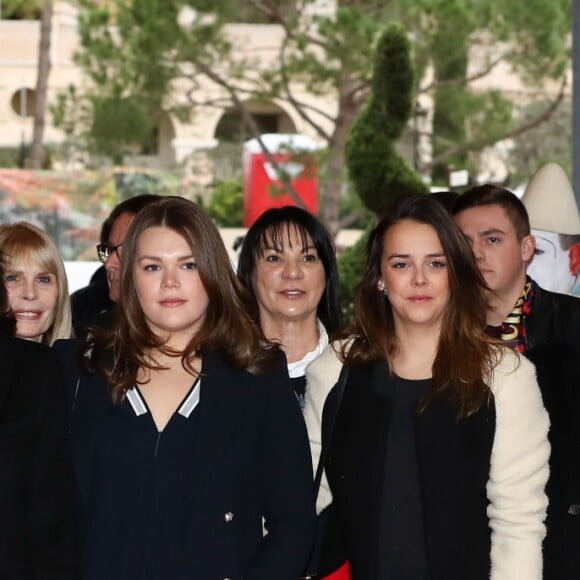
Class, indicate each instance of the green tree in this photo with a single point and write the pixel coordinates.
(156, 46)
(225, 205)
(544, 143)
(44, 66)
(126, 54)
(376, 170)
(20, 9)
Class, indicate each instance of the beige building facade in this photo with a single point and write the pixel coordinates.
(178, 140)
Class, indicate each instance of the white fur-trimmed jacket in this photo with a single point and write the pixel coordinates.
(518, 469)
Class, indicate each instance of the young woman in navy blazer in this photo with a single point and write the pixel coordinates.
(190, 451)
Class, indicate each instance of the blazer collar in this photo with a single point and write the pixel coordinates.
(222, 401)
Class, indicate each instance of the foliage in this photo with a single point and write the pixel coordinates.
(351, 267)
(130, 70)
(548, 142)
(376, 170)
(329, 55)
(225, 206)
(20, 9)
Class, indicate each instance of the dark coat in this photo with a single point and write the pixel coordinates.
(251, 459)
(89, 302)
(553, 345)
(36, 515)
(453, 458)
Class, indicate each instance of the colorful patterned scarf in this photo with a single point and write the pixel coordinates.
(513, 331)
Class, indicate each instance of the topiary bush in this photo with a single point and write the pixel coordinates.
(377, 172)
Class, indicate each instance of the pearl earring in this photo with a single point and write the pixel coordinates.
(381, 288)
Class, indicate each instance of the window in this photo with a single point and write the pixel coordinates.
(23, 102)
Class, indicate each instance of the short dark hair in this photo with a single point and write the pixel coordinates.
(270, 227)
(132, 206)
(488, 194)
(446, 198)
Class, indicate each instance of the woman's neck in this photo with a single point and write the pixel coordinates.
(416, 352)
(296, 337)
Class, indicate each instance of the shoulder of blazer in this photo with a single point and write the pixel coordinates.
(28, 357)
(30, 367)
(217, 368)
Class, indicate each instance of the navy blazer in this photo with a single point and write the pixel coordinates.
(251, 461)
(36, 507)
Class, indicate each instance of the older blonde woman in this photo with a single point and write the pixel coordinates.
(36, 283)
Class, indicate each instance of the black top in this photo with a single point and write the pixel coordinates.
(138, 491)
(402, 539)
(36, 512)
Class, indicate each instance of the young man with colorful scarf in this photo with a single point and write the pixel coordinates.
(545, 327)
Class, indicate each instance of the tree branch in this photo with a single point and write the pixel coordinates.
(464, 81)
(476, 145)
(253, 128)
(294, 102)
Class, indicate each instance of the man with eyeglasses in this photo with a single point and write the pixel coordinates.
(93, 304)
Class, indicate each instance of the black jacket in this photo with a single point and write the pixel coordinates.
(453, 458)
(553, 345)
(89, 302)
(36, 513)
(251, 459)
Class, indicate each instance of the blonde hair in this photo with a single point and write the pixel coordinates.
(21, 241)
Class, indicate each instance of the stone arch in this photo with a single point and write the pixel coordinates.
(270, 118)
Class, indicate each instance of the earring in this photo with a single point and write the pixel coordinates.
(382, 290)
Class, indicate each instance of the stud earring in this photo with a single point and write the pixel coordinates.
(381, 288)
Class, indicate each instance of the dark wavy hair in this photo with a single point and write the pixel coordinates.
(227, 328)
(7, 320)
(465, 355)
(271, 228)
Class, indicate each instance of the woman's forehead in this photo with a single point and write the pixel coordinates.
(285, 235)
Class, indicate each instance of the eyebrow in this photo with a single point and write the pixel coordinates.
(404, 256)
(491, 231)
(158, 259)
(305, 249)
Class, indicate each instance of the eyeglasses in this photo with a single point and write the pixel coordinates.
(104, 251)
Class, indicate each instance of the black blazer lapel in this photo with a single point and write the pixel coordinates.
(222, 400)
(357, 456)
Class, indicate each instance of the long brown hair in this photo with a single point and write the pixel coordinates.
(227, 327)
(465, 354)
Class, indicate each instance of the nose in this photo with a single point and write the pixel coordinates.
(113, 261)
(292, 269)
(170, 279)
(478, 251)
(28, 290)
(419, 278)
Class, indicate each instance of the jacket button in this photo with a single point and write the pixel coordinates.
(228, 517)
(574, 509)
